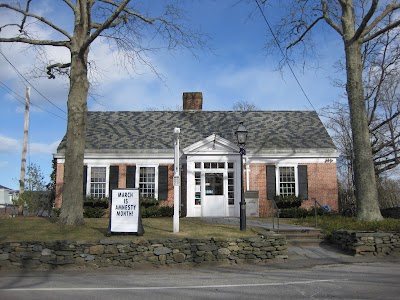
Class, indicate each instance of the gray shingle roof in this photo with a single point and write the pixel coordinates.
(268, 130)
(3, 187)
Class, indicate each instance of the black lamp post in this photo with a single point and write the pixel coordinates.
(241, 135)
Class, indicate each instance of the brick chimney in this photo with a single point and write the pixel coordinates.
(193, 101)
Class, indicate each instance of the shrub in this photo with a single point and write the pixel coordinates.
(393, 212)
(299, 212)
(149, 202)
(96, 202)
(56, 212)
(93, 212)
(320, 211)
(288, 201)
(157, 211)
(293, 212)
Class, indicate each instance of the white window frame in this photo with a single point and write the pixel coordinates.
(89, 177)
(277, 176)
(137, 176)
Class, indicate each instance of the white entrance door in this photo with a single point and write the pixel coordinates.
(214, 201)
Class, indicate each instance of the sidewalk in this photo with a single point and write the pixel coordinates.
(262, 224)
(321, 254)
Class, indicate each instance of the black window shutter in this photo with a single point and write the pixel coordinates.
(162, 182)
(303, 181)
(271, 182)
(84, 180)
(113, 183)
(130, 177)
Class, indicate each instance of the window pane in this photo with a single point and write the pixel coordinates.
(197, 165)
(214, 183)
(231, 188)
(98, 182)
(197, 194)
(147, 182)
(287, 184)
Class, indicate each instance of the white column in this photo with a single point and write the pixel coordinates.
(177, 181)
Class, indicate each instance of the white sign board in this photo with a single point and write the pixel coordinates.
(177, 180)
(124, 212)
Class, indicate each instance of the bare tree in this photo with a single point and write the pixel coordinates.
(389, 192)
(244, 105)
(125, 27)
(357, 22)
(337, 121)
(381, 61)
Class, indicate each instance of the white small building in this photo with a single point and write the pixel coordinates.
(6, 196)
(288, 153)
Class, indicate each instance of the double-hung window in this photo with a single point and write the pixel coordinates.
(147, 182)
(98, 182)
(287, 181)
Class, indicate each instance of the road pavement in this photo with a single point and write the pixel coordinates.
(289, 280)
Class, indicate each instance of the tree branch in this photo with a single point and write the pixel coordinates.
(106, 24)
(69, 4)
(41, 19)
(328, 19)
(383, 30)
(132, 13)
(305, 32)
(365, 20)
(57, 66)
(24, 18)
(36, 42)
(385, 121)
(389, 8)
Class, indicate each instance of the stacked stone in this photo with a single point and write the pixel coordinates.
(367, 242)
(131, 253)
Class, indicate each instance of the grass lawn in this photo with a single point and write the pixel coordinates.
(335, 222)
(331, 223)
(41, 229)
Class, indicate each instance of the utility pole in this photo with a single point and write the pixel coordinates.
(25, 142)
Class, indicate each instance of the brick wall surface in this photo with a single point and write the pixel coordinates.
(122, 176)
(322, 185)
(170, 197)
(258, 178)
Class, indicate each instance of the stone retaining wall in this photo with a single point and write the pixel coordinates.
(367, 242)
(131, 253)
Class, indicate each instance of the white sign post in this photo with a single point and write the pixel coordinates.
(125, 212)
(177, 181)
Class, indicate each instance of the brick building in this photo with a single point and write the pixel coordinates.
(288, 152)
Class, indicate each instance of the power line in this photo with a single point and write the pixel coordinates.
(12, 93)
(31, 84)
(15, 95)
(283, 53)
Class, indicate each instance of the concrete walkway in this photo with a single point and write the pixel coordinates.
(256, 223)
(320, 252)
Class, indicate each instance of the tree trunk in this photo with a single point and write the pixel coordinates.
(72, 202)
(364, 173)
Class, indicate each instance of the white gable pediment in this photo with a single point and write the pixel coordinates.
(213, 144)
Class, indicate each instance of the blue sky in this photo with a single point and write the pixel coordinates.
(236, 69)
